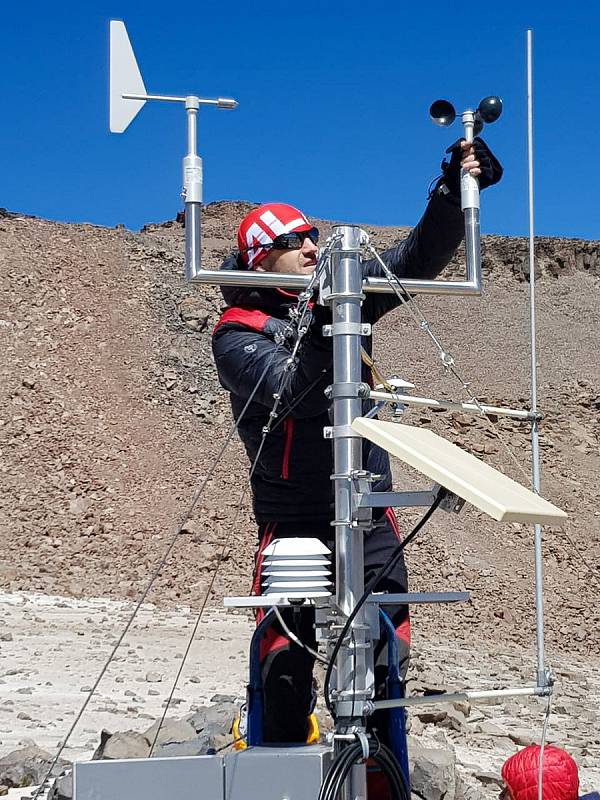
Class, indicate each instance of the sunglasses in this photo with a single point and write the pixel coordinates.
(290, 241)
(295, 240)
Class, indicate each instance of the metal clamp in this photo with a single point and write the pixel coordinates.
(361, 737)
(357, 328)
(348, 389)
(346, 296)
(340, 432)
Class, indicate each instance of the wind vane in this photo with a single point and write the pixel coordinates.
(128, 95)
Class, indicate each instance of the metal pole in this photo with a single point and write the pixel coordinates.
(192, 192)
(346, 300)
(354, 673)
(469, 197)
(237, 277)
(455, 697)
(542, 677)
(430, 402)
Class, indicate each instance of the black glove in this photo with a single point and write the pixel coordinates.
(491, 169)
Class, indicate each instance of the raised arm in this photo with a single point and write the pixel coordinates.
(430, 245)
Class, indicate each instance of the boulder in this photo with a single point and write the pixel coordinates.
(523, 736)
(455, 720)
(193, 747)
(123, 744)
(172, 731)
(214, 719)
(62, 788)
(432, 771)
(27, 766)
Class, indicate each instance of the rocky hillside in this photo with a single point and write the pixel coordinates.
(111, 417)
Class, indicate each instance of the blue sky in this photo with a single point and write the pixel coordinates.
(333, 113)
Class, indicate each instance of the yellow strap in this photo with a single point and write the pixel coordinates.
(377, 376)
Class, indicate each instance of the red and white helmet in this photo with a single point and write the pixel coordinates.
(261, 226)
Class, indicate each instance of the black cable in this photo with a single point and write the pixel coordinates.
(371, 585)
(353, 753)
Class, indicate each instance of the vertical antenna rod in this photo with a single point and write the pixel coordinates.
(542, 677)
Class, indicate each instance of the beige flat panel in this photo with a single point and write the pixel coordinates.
(460, 472)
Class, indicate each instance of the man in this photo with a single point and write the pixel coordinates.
(291, 480)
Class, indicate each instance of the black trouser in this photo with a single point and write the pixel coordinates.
(287, 667)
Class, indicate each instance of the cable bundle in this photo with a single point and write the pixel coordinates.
(351, 755)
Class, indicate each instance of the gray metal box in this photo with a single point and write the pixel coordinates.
(276, 773)
(258, 773)
(182, 778)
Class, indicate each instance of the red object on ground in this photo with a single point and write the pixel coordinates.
(560, 780)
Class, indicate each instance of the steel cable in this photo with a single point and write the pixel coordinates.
(297, 320)
(154, 576)
(303, 302)
(446, 358)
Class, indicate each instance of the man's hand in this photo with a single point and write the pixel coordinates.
(469, 159)
(477, 159)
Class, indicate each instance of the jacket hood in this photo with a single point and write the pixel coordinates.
(276, 302)
(560, 780)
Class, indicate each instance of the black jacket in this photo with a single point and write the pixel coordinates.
(292, 478)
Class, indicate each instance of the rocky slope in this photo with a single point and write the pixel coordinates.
(112, 415)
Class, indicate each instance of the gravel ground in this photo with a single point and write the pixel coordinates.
(54, 647)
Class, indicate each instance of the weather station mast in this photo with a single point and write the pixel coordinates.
(350, 616)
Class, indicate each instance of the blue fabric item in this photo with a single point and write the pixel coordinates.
(590, 796)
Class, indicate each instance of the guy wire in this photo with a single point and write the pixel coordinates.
(297, 320)
(207, 594)
(410, 302)
(589, 568)
(447, 360)
(222, 551)
(304, 299)
(154, 576)
(540, 783)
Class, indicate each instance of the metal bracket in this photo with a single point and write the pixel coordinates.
(348, 389)
(361, 328)
(395, 499)
(452, 503)
(418, 598)
(340, 432)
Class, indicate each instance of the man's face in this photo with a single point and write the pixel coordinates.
(297, 262)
